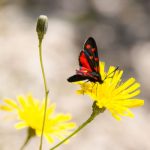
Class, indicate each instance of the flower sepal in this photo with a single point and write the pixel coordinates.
(30, 134)
(96, 110)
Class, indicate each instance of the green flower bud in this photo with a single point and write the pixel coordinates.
(42, 25)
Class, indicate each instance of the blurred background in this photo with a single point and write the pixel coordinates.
(121, 30)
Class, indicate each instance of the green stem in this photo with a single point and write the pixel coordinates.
(93, 115)
(46, 91)
(25, 143)
(30, 134)
(72, 134)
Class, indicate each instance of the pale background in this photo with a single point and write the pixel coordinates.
(122, 31)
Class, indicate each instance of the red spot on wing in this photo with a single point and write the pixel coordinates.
(88, 46)
(91, 57)
(96, 59)
(93, 50)
(84, 62)
(96, 69)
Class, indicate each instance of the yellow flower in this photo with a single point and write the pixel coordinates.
(114, 95)
(29, 113)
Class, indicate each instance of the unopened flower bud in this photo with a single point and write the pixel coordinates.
(42, 25)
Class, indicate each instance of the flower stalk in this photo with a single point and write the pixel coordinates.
(96, 111)
(46, 92)
(30, 134)
(41, 28)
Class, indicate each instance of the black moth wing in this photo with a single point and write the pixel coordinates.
(78, 77)
(91, 52)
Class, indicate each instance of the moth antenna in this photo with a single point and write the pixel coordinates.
(117, 67)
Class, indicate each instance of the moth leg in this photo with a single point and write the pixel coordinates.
(93, 86)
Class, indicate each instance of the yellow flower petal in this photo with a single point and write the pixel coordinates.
(11, 103)
(21, 125)
(49, 138)
(6, 108)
